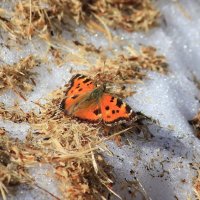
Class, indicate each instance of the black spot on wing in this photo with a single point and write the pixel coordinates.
(86, 80)
(78, 86)
(80, 89)
(107, 107)
(71, 82)
(113, 111)
(97, 112)
(74, 97)
(89, 83)
(112, 99)
(77, 76)
(119, 103)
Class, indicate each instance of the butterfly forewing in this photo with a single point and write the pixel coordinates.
(79, 86)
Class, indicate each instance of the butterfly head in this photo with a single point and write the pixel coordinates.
(104, 87)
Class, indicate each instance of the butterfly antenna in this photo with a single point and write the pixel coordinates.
(104, 64)
(104, 86)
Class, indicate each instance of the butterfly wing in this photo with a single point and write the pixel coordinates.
(114, 110)
(79, 86)
(90, 114)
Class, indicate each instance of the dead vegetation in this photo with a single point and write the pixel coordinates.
(45, 17)
(72, 148)
(197, 186)
(119, 70)
(196, 124)
(19, 76)
(128, 68)
(196, 180)
(12, 168)
(115, 70)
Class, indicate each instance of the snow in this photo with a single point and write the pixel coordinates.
(161, 164)
(43, 179)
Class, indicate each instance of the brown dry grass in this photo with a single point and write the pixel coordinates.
(19, 76)
(119, 70)
(196, 186)
(45, 17)
(72, 148)
(196, 124)
(196, 180)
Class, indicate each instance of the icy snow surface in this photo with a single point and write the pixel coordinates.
(162, 164)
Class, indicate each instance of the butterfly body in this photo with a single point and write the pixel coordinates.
(87, 102)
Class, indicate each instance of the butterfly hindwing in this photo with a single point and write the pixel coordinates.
(114, 110)
(90, 114)
(79, 86)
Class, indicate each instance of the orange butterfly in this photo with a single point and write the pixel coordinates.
(87, 102)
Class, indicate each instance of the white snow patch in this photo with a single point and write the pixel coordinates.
(16, 130)
(43, 175)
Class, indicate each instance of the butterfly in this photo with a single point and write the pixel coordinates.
(87, 102)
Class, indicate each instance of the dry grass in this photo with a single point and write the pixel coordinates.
(119, 70)
(45, 17)
(196, 186)
(75, 149)
(72, 148)
(19, 76)
(12, 167)
(196, 180)
(196, 124)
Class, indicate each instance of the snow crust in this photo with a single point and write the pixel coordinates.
(162, 164)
